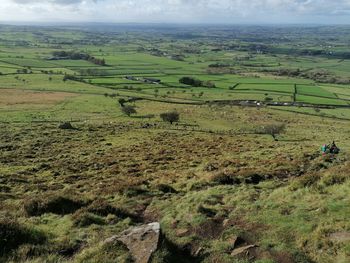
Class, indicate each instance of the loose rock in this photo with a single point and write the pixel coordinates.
(142, 241)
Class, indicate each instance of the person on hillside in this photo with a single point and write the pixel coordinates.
(324, 149)
(334, 149)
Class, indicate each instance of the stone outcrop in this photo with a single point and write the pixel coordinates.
(142, 241)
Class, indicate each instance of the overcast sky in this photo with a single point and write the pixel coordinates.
(178, 11)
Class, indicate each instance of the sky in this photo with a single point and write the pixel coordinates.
(178, 11)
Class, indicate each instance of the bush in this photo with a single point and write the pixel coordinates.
(122, 101)
(171, 117)
(13, 235)
(191, 81)
(53, 204)
(128, 110)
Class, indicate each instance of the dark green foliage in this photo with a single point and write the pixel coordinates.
(12, 235)
(52, 204)
(122, 101)
(77, 55)
(171, 117)
(129, 110)
(196, 82)
(191, 81)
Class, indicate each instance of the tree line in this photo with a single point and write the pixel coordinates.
(77, 56)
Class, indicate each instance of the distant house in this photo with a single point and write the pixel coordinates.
(152, 80)
(131, 78)
(145, 80)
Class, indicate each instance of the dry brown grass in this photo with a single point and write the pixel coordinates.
(11, 97)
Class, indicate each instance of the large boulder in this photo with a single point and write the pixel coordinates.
(142, 241)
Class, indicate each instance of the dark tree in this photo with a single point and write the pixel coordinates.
(171, 117)
(121, 101)
(191, 81)
(128, 110)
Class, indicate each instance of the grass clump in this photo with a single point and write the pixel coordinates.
(82, 218)
(308, 180)
(109, 252)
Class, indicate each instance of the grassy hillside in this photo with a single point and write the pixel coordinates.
(216, 180)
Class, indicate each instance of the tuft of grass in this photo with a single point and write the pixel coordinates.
(82, 218)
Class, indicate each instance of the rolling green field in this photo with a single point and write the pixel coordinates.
(241, 169)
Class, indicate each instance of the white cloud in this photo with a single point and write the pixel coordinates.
(223, 11)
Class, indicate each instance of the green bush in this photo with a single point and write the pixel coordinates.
(128, 110)
(171, 117)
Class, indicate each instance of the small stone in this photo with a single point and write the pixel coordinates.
(66, 126)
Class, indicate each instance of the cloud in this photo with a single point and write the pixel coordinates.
(59, 2)
(220, 11)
